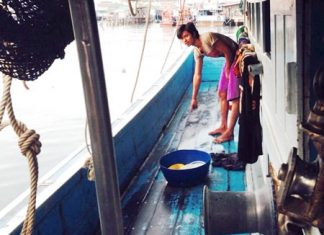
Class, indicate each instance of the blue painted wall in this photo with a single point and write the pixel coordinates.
(70, 210)
(212, 67)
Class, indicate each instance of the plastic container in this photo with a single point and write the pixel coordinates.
(194, 172)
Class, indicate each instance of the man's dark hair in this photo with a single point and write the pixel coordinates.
(189, 27)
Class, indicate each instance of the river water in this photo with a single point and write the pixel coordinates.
(54, 104)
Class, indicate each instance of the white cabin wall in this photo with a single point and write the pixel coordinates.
(291, 117)
(280, 127)
(283, 44)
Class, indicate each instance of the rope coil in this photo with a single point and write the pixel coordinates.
(29, 145)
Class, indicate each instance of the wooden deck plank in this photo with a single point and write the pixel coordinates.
(143, 222)
(218, 179)
(167, 211)
(236, 179)
(201, 120)
(190, 219)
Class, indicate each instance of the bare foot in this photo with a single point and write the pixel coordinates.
(224, 138)
(217, 131)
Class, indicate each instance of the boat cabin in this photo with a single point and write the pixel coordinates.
(121, 188)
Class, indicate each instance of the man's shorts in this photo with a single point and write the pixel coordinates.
(230, 86)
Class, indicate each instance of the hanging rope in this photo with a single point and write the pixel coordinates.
(134, 13)
(143, 47)
(174, 35)
(29, 146)
(168, 53)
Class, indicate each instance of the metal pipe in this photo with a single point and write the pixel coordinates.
(228, 212)
(87, 39)
(240, 212)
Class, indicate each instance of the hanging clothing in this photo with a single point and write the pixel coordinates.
(250, 130)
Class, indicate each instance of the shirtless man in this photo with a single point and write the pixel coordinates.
(215, 45)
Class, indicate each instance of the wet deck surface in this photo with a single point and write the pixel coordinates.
(151, 206)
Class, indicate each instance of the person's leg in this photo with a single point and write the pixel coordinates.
(233, 116)
(228, 134)
(223, 104)
(233, 95)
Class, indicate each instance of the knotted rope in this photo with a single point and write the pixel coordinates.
(29, 145)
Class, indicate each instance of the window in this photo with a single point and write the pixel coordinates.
(266, 26)
(257, 22)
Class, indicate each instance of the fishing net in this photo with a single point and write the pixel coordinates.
(33, 33)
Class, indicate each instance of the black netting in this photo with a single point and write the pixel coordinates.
(33, 33)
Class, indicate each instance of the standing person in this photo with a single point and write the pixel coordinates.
(215, 45)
